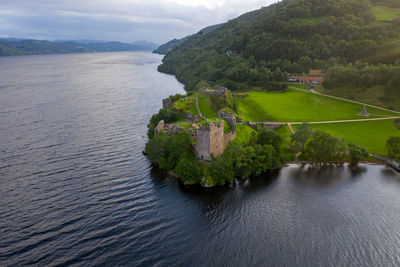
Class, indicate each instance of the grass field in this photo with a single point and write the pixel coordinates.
(286, 153)
(298, 106)
(371, 135)
(384, 13)
(243, 133)
(205, 107)
(186, 105)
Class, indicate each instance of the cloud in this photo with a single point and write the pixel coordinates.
(121, 20)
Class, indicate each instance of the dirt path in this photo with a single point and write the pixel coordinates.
(324, 122)
(312, 91)
(290, 127)
(198, 109)
(343, 121)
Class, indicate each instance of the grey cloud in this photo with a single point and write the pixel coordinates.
(121, 20)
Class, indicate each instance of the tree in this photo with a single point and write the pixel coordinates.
(269, 137)
(357, 153)
(393, 146)
(164, 114)
(323, 148)
(177, 147)
(221, 170)
(156, 148)
(301, 136)
(189, 171)
(241, 159)
(265, 158)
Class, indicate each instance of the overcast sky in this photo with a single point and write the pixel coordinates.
(118, 20)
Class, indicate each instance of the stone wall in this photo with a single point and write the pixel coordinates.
(166, 102)
(203, 144)
(229, 117)
(210, 141)
(227, 138)
(217, 139)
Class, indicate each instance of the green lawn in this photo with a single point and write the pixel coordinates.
(286, 153)
(186, 105)
(371, 135)
(299, 85)
(384, 13)
(243, 133)
(298, 106)
(205, 107)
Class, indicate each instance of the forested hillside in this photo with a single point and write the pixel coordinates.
(357, 42)
(165, 48)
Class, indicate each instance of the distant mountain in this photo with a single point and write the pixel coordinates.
(15, 40)
(15, 46)
(163, 49)
(145, 45)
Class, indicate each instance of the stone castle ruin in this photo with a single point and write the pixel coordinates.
(212, 141)
(229, 117)
(216, 90)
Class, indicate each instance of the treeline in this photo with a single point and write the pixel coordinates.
(234, 72)
(364, 76)
(259, 155)
(174, 153)
(291, 36)
(320, 147)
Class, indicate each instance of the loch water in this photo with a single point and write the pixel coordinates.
(75, 188)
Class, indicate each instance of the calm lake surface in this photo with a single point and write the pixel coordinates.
(75, 188)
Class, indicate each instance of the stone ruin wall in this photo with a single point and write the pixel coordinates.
(227, 138)
(217, 139)
(203, 144)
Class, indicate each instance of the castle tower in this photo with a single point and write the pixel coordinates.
(210, 141)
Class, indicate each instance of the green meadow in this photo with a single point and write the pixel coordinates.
(384, 13)
(299, 106)
(205, 107)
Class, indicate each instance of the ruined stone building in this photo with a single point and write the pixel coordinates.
(212, 141)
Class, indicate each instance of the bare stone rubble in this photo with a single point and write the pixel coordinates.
(160, 127)
(216, 90)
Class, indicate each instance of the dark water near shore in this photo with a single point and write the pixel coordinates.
(75, 188)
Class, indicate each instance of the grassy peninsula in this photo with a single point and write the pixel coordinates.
(351, 115)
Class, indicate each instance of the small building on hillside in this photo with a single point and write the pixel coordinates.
(311, 80)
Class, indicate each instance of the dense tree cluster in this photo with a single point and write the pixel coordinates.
(364, 76)
(260, 154)
(168, 115)
(393, 145)
(320, 147)
(174, 153)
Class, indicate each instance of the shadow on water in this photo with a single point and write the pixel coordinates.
(212, 197)
(391, 176)
(258, 183)
(325, 176)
